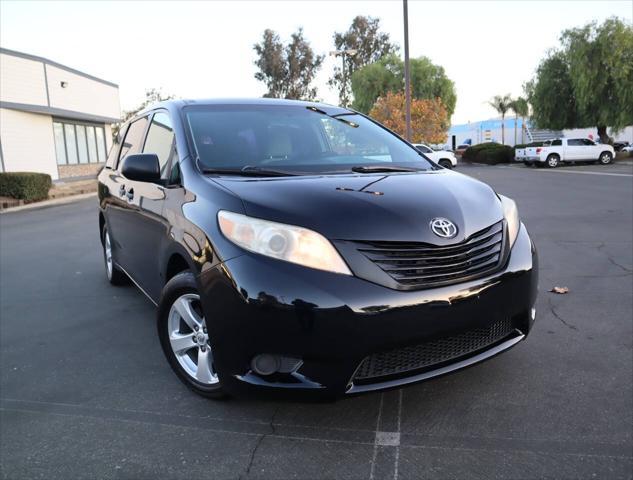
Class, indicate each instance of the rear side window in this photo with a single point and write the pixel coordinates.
(133, 138)
(574, 142)
(557, 143)
(160, 140)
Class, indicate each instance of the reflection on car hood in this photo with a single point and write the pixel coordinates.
(395, 207)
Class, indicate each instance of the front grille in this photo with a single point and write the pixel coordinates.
(431, 353)
(422, 265)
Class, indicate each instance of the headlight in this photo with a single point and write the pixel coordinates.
(511, 214)
(284, 242)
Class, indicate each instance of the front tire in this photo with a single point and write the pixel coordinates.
(182, 329)
(446, 164)
(605, 158)
(552, 161)
(113, 273)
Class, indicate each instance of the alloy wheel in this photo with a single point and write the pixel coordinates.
(108, 254)
(605, 158)
(189, 339)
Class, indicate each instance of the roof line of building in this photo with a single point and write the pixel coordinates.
(58, 112)
(28, 56)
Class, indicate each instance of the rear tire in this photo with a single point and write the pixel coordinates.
(528, 164)
(446, 164)
(182, 329)
(113, 273)
(552, 161)
(605, 158)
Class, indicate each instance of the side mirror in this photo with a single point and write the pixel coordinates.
(142, 167)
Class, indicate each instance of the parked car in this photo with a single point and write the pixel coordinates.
(619, 146)
(553, 152)
(298, 246)
(461, 148)
(443, 158)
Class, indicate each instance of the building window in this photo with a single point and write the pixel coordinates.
(78, 143)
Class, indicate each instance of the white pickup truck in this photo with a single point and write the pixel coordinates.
(441, 157)
(553, 152)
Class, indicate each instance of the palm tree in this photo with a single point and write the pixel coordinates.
(520, 108)
(501, 104)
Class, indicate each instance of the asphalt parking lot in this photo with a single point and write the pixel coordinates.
(86, 393)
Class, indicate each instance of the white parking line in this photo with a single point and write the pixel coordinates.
(373, 459)
(395, 468)
(582, 172)
(587, 173)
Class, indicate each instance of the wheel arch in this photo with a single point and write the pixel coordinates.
(177, 260)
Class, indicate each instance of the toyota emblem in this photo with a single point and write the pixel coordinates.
(443, 227)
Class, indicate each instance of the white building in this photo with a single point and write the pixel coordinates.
(53, 119)
(490, 131)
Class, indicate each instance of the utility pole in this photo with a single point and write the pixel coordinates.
(342, 53)
(407, 75)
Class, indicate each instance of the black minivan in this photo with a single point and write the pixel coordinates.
(301, 246)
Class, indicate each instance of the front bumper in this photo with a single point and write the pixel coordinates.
(333, 322)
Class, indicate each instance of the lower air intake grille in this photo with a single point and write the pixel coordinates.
(430, 353)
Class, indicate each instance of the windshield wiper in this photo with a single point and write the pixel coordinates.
(249, 171)
(382, 169)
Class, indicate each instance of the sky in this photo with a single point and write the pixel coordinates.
(205, 49)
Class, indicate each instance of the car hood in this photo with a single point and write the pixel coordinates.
(395, 207)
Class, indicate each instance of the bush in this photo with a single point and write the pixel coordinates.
(490, 153)
(27, 186)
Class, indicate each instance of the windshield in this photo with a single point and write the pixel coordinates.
(295, 139)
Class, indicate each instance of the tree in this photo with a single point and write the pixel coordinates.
(588, 81)
(152, 95)
(520, 108)
(287, 70)
(501, 103)
(429, 117)
(387, 75)
(370, 44)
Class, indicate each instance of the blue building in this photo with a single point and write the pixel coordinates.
(490, 131)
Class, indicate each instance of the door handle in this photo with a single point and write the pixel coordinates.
(130, 194)
(122, 190)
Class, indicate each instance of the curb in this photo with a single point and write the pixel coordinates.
(49, 203)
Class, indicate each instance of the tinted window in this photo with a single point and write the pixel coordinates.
(424, 149)
(586, 141)
(160, 140)
(71, 143)
(293, 138)
(133, 138)
(101, 147)
(60, 146)
(556, 143)
(574, 142)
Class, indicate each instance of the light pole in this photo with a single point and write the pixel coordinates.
(407, 75)
(336, 53)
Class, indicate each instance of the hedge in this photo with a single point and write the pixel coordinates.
(28, 186)
(489, 152)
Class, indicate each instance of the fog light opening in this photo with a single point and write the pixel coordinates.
(267, 364)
